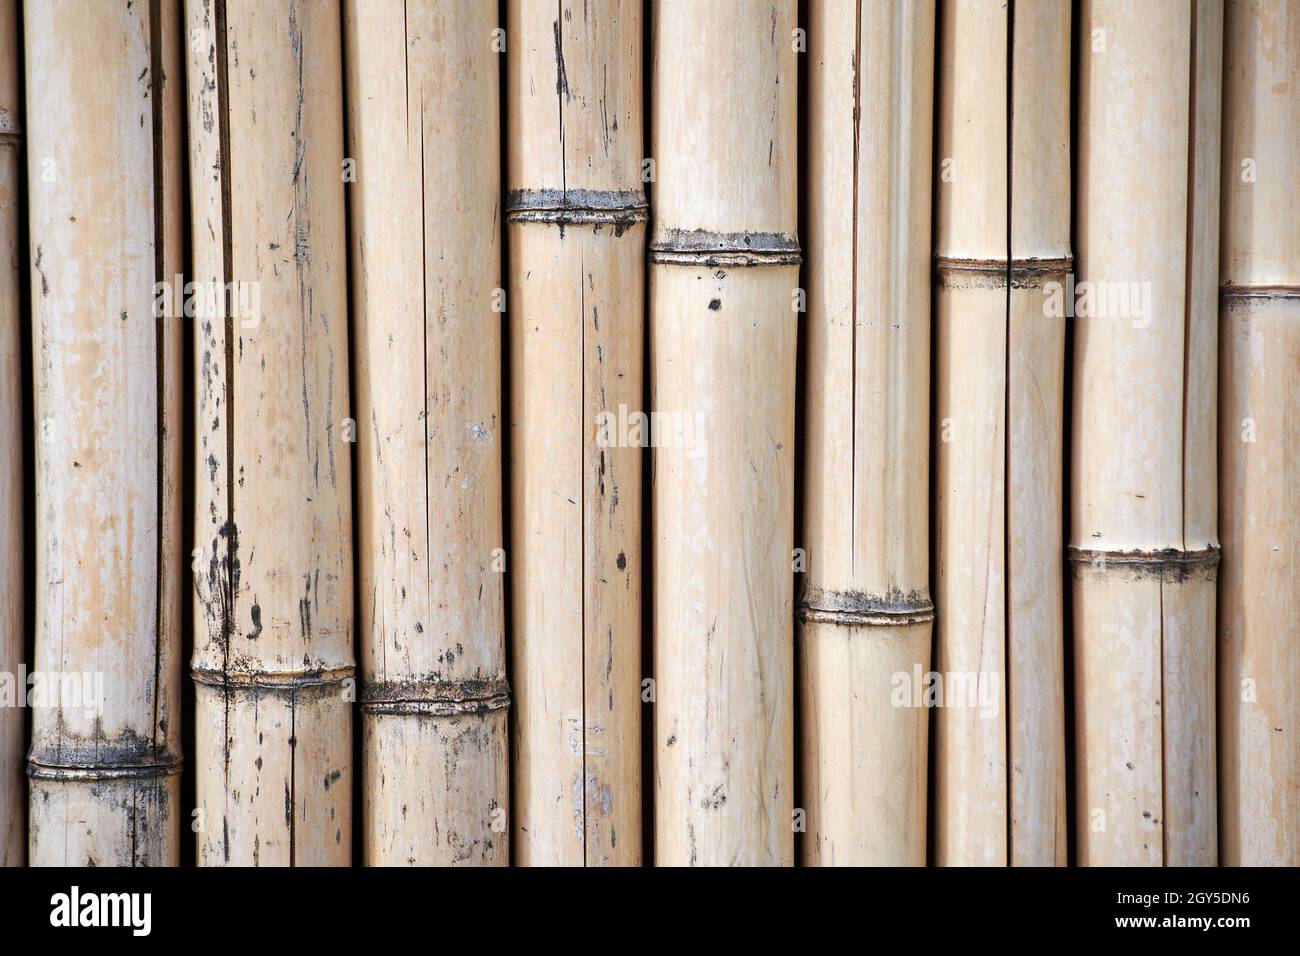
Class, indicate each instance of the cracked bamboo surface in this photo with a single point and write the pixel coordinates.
(1259, 608)
(104, 99)
(723, 338)
(1003, 242)
(13, 829)
(273, 659)
(424, 131)
(577, 243)
(1143, 537)
(865, 611)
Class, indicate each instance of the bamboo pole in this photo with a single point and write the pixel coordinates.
(273, 659)
(866, 612)
(12, 616)
(104, 109)
(577, 242)
(723, 335)
(1259, 609)
(424, 132)
(1143, 496)
(1003, 246)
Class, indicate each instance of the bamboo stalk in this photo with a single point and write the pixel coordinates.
(1003, 245)
(577, 237)
(1259, 610)
(12, 615)
(723, 335)
(273, 659)
(104, 109)
(424, 131)
(1143, 539)
(866, 612)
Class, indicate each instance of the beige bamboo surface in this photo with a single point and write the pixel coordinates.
(426, 218)
(13, 256)
(1259, 609)
(577, 243)
(723, 339)
(1143, 525)
(273, 659)
(104, 108)
(866, 612)
(1003, 234)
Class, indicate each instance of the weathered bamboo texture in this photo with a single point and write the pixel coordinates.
(104, 104)
(724, 278)
(273, 660)
(1002, 248)
(1144, 548)
(424, 131)
(13, 829)
(577, 215)
(866, 612)
(1259, 608)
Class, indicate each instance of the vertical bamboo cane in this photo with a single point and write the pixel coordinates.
(273, 660)
(1143, 502)
(723, 335)
(577, 232)
(866, 612)
(1259, 610)
(12, 829)
(1003, 247)
(426, 260)
(104, 109)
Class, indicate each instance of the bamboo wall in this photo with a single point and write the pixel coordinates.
(649, 432)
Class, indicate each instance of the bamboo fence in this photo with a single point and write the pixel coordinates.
(426, 252)
(576, 214)
(724, 276)
(273, 654)
(577, 636)
(13, 830)
(1002, 244)
(1259, 427)
(865, 609)
(1143, 543)
(104, 173)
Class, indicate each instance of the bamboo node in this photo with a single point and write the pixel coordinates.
(955, 273)
(619, 207)
(860, 609)
(435, 697)
(274, 680)
(700, 247)
(1230, 290)
(1166, 564)
(165, 765)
